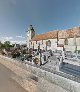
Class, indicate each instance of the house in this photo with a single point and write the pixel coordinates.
(56, 39)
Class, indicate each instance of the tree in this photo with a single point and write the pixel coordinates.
(0, 44)
(7, 42)
(7, 45)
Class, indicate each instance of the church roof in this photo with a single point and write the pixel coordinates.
(69, 33)
(48, 35)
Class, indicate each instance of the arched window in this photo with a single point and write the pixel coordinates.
(38, 46)
(33, 46)
(66, 41)
(42, 41)
(36, 42)
(48, 43)
(31, 43)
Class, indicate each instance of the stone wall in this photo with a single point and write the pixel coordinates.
(53, 79)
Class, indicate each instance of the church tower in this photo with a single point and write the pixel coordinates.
(30, 35)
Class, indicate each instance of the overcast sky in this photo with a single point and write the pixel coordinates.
(44, 15)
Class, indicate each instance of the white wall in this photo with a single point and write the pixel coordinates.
(70, 41)
(78, 41)
(70, 46)
(41, 45)
(61, 41)
(53, 44)
(28, 38)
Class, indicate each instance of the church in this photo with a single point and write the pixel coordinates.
(57, 39)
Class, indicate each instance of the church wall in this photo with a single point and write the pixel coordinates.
(61, 41)
(71, 41)
(53, 44)
(28, 39)
(70, 46)
(35, 45)
(78, 47)
(43, 45)
(78, 41)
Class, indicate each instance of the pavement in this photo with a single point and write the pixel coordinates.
(7, 84)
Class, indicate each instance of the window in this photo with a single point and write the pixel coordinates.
(66, 41)
(48, 43)
(42, 41)
(33, 46)
(31, 43)
(36, 42)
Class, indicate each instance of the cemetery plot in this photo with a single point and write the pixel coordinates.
(53, 63)
(70, 69)
(71, 64)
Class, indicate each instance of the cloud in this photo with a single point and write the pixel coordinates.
(13, 40)
(20, 36)
(18, 42)
(7, 38)
(3, 39)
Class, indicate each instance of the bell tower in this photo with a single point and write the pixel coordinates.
(30, 35)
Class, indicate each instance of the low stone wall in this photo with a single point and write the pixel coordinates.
(64, 83)
(44, 81)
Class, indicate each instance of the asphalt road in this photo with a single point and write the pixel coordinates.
(6, 83)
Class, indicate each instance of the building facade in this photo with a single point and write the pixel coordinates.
(55, 39)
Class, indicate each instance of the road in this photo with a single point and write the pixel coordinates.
(6, 83)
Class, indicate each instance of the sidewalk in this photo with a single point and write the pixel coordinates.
(7, 84)
(21, 76)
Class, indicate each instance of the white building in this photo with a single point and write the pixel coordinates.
(56, 39)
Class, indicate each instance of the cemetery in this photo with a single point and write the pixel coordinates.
(58, 60)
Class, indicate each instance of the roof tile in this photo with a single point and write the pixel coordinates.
(61, 34)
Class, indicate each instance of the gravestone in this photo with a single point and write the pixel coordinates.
(53, 63)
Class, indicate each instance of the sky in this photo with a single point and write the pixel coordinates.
(44, 15)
